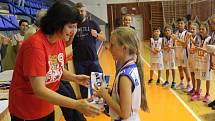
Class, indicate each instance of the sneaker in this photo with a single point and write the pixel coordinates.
(165, 84)
(173, 86)
(150, 81)
(196, 96)
(158, 82)
(207, 98)
(189, 88)
(181, 85)
(211, 104)
(191, 92)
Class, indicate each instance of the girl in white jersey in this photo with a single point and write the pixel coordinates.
(180, 38)
(169, 56)
(128, 92)
(193, 42)
(203, 70)
(156, 61)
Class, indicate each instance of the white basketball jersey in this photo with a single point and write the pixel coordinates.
(180, 51)
(168, 42)
(205, 42)
(156, 59)
(156, 43)
(181, 35)
(168, 56)
(130, 70)
(190, 43)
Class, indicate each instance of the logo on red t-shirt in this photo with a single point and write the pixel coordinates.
(56, 67)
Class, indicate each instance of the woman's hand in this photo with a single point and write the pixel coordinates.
(82, 80)
(87, 108)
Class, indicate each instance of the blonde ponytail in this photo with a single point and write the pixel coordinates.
(139, 62)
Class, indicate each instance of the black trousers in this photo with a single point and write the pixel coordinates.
(50, 117)
(68, 113)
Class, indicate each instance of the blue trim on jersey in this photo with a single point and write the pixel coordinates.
(129, 66)
(127, 72)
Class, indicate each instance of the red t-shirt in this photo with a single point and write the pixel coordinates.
(36, 57)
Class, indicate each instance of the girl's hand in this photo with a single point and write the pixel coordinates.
(201, 49)
(87, 108)
(184, 45)
(156, 51)
(188, 35)
(174, 37)
(167, 48)
(82, 80)
(101, 91)
(153, 51)
(178, 43)
(192, 50)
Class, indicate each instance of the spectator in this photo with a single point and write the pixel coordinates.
(84, 44)
(4, 41)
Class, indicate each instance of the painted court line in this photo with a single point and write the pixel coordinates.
(176, 95)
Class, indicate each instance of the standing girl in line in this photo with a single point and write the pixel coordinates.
(203, 71)
(156, 61)
(169, 56)
(193, 42)
(181, 53)
(128, 94)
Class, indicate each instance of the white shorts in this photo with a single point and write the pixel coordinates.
(203, 71)
(156, 62)
(181, 58)
(169, 59)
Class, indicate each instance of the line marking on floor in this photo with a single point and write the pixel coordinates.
(177, 96)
